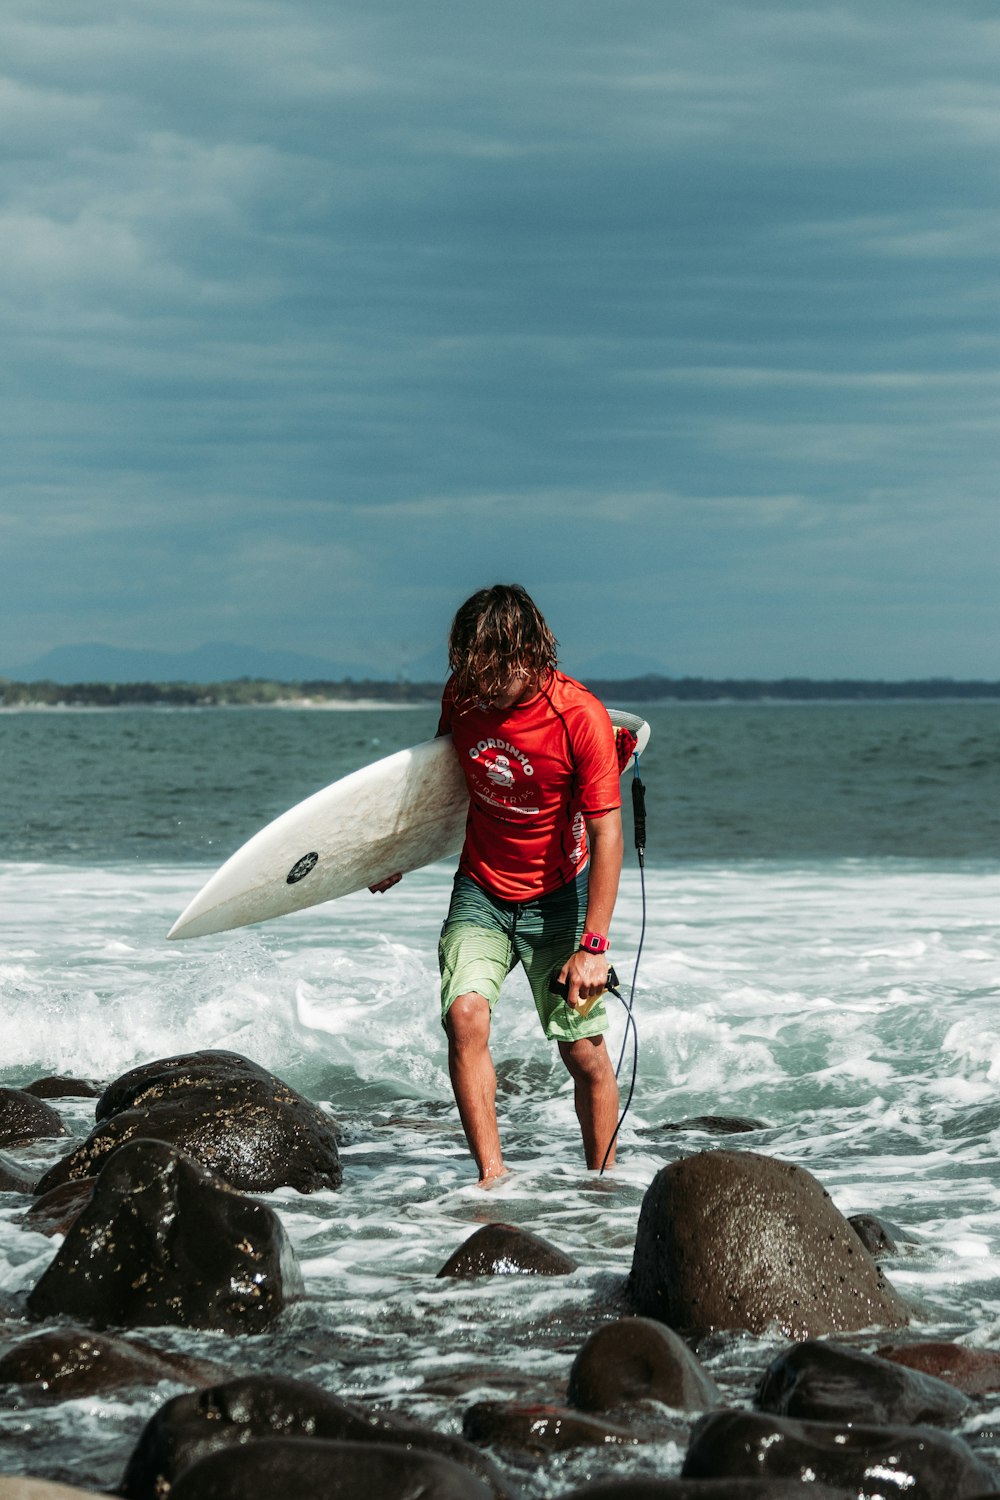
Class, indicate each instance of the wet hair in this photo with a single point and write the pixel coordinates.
(496, 633)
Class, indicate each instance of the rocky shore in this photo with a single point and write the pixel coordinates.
(160, 1229)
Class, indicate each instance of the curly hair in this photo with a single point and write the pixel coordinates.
(495, 634)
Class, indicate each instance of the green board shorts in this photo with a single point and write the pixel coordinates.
(484, 937)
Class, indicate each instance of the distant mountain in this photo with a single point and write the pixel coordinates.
(615, 665)
(220, 661)
(225, 661)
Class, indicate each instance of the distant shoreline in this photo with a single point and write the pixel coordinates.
(347, 695)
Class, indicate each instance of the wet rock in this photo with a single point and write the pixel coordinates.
(256, 1407)
(974, 1371)
(13, 1177)
(163, 1241)
(24, 1119)
(234, 1117)
(879, 1237)
(305, 1467)
(62, 1364)
(827, 1382)
(919, 1463)
(707, 1489)
(538, 1429)
(61, 1088)
(17, 1488)
(735, 1240)
(638, 1359)
(55, 1211)
(712, 1125)
(152, 1082)
(505, 1250)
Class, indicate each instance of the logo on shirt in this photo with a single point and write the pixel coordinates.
(499, 771)
(501, 760)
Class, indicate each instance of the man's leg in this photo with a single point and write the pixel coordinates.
(595, 1094)
(474, 1081)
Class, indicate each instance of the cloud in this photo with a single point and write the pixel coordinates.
(334, 299)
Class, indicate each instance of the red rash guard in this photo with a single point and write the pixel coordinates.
(535, 772)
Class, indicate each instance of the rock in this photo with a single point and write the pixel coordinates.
(828, 1383)
(243, 1411)
(974, 1371)
(17, 1488)
(153, 1082)
(24, 1119)
(308, 1469)
(638, 1359)
(919, 1463)
(711, 1124)
(61, 1088)
(164, 1241)
(13, 1177)
(878, 1237)
(735, 1240)
(55, 1211)
(234, 1117)
(505, 1250)
(538, 1429)
(61, 1364)
(707, 1489)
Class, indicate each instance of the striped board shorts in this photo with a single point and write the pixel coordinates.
(484, 937)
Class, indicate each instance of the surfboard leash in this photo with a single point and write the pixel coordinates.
(639, 825)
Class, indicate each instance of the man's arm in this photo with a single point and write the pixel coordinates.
(586, 974)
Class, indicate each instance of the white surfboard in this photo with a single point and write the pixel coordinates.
(397, 814)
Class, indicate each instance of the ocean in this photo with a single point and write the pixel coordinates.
(821, 953)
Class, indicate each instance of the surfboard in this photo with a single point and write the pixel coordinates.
(399, 813)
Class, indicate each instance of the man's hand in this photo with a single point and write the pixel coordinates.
(585, 976)
(386, 884)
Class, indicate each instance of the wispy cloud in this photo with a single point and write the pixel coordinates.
(381, 301)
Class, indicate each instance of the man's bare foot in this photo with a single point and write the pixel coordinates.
(490, 1179)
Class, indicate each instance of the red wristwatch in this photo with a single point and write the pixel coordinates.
(594, 942)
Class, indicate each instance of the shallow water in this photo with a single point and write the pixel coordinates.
(847, 1000)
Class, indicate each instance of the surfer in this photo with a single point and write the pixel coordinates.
(538, 875)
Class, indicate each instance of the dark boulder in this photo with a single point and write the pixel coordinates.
(879, 1237)
(13, 1177)
(534, 1429)
(735, 1240)
(505, 1250)
(56, 1210)
(24, 1119)
(711, 1125)
(61, 1088)
(307, 1469)
(163, 1241)
(829, 1383)
(918, 1463)
(189, 1427)
(152, 1082)
(707, 1489)
(62, 1364)
(639, 1359)
(234, 1117)
(974, 1371)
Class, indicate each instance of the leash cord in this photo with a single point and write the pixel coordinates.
(639, 819)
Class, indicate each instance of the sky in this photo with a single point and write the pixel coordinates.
(319, 315)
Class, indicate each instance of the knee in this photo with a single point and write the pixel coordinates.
(587, 1060)
(468, 1023)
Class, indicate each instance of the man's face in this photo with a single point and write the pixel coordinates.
(509, 692)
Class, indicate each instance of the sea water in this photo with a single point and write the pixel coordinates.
(820, 952)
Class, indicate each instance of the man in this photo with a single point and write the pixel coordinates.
(539, 870)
